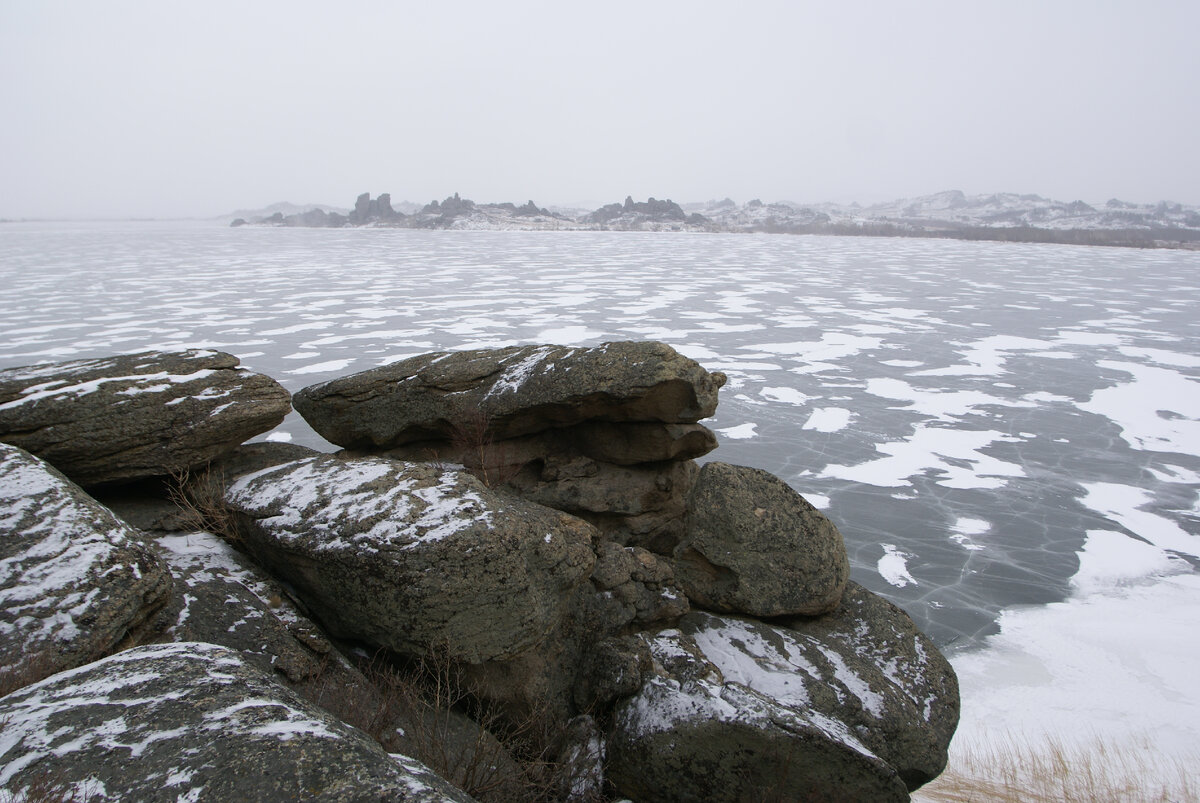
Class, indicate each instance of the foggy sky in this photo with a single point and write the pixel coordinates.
(176, 109)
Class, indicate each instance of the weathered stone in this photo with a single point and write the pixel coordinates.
(703, 726)
(914, 685)
(194, 721)
(753, 545)
(639, 583)
(612, 669)
(508, 392)
(411, 558)
(75, 582)
(623, 444)
(225, 599)
(642, 505)
(123, 418)
(581, 761)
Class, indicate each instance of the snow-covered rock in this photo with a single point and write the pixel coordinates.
(413, 557)
(75, 581)
(711, 723)
(193, 721)
(132, 416)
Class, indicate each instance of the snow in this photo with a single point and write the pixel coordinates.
(740, 432)
(893, 566)
(828, 419)
(367, 503)
(954, 456)
(329, 366)
(1114, 660)
(1159, 410)
(139, 382)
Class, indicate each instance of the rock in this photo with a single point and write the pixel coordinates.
(75, 582)
(621, 444)
(613, 668)
(641, 505)
(194, 721)
(224, 599)
(904, 669)
(581, 761)
(408, 557)
(753, 545)
(700, 731)
(124, 418)
(508, 392)
(639, 584)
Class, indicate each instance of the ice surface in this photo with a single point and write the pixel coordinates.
(1048, 392)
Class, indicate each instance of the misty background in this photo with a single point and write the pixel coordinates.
(148, 109)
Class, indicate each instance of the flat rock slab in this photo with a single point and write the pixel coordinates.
(129, 417)
(509, 392)
(412, 557)
(75, 581)
(194, 721)
(755, 546)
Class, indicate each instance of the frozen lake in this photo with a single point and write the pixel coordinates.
(1007, 435)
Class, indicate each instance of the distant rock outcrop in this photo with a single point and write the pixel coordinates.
(999, 216)
(649, 214)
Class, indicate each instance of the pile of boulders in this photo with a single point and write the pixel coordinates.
(531, 520)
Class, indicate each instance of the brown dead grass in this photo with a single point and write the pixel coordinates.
(1050, 770)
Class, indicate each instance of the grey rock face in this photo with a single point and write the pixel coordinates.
(224, 599)
(516, 391)
(903, 668)
(731, 713)
(753, 545)
(410, 557)
(75, 582)
(194, 721)
(641, 505)
(141, 415)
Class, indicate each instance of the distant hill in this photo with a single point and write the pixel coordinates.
(284, 208)
(999, 216)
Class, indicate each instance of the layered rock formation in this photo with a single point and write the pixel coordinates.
(136, 416)
(532, 521)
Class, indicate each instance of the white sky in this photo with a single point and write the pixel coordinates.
(198, 108)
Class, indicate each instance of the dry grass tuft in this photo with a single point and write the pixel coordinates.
(29, 669)
(200, 498)
(472, 439)
(420, 711)
(1053, 771)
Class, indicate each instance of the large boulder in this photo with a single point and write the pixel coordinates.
(75, 582)
(193, 721)
(915, 686)
(509, 392)
(412, 557)
(124, 418)
(729, 715)
(755, 546)
(903, 708)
